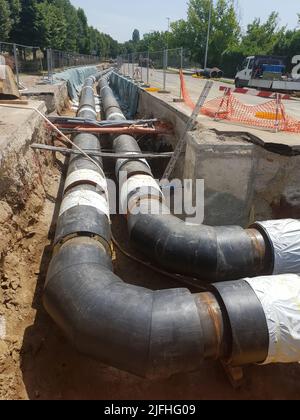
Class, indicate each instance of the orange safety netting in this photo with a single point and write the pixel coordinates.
(270, 115)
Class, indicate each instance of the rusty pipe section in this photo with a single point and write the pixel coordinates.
(150, 333)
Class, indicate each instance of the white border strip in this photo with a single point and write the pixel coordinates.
(116, 114)
(85, 198)
(87, 109)
(82, 175)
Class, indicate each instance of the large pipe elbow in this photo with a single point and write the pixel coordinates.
(147, 333)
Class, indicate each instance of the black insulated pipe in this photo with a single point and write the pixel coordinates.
(84, 183)
(144, 332)
(208, 253)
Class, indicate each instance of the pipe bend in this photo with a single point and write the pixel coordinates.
(148, 333)
(208, 253)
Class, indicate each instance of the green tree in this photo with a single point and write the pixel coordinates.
(25, 31)
(71, 18)
(15, 11)
(225, 29)
(5, 20)
(154, 41)
(136, 36)
(181, 34)
(50, 26)
(260, 38)
(82, 32)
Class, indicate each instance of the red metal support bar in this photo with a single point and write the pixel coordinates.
(161, 128)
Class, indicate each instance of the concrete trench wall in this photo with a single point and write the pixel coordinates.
(244, 182)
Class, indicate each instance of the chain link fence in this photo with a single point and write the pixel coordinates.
(24, 59)
(61, 60)
(154, 67)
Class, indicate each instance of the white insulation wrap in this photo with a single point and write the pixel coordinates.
(285, 237)
(85, 198)
(143, 182)
(280, 299)
(86, 175)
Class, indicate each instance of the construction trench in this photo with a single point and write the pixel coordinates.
(212, 303)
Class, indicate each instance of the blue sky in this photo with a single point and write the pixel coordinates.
(120, 17)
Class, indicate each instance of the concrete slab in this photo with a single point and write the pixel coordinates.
(55, 96)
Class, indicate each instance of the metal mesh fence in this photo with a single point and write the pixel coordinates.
(154, 68)
(32, 60)
(23, 59)
(61, 60)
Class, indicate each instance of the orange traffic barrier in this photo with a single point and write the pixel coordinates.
(270, 115)
(185, 95)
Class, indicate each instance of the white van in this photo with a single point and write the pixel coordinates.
(260, 71)
(243, 76)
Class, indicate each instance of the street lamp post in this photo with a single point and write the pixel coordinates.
(208, 34)
(165, 58)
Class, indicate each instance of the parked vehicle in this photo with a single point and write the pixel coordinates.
(267, 73)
